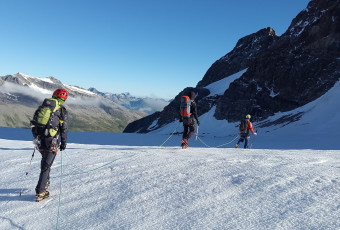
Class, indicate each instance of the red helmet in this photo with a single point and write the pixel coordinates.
(61, 93)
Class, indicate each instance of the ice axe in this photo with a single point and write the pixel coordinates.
(197, 133)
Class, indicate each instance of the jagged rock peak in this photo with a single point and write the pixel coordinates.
(55, 80)
(312, 15)
(253, 39)
(245, 51)
(94, 90)
(298, 68)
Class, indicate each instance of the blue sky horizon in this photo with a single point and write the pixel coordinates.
(147, 48)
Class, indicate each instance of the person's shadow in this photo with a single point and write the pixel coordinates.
(8, 195)
(14, 194)
(2, 148)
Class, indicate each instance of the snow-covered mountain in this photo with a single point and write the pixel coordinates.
(266, 75)
(146, 104)
(21, 94)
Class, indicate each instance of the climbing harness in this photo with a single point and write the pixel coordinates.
(100, 167)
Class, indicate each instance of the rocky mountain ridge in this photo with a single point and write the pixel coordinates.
(146, 104)
(298, 68)
(245, 51)
(222, 68)
(282, 73)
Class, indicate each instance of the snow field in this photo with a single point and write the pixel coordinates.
(131, 187)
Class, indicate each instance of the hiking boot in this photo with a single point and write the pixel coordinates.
(47, 185)
(184, 143)
(41, 196)
(184, 146)
(236, 146)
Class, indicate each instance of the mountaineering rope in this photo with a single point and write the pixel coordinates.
(170, 136)
(61, 177)
(217, 145)
(103, 166)
(228, 142)
(83, 171)
(204, 143)
(197, 137)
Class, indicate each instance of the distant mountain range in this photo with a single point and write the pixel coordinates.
(145, 104)
(90, 110)
(266, 74)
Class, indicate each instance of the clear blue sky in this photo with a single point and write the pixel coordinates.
(145, 47)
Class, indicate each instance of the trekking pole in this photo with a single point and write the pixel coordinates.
(197, 132)
(29, 168)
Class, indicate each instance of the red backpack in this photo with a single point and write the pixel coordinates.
(185, 106)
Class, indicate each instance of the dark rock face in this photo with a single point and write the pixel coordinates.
(246, 50)
(297, 69)
(283, 73)
(142, 125)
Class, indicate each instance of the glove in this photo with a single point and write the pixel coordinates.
(198, 122)
(255, 134)
(62, 146)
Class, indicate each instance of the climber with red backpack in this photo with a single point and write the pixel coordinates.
(188, 115)
(244, 129)
(49, 128)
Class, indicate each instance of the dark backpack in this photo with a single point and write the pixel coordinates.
(244, 125)
(185, 106)
(43, 117)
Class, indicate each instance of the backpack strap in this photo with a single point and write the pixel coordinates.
(49, 130)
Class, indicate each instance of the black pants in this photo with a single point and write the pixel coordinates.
(244, 137)
(45, 167)
(187, 135)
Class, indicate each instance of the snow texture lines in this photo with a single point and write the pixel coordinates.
(144, 187)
